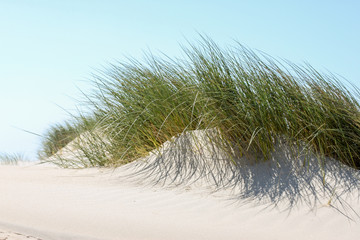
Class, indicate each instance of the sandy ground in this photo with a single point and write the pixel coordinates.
(49, 203)
(7, 235)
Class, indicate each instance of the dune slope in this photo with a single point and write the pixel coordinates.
(182, 193)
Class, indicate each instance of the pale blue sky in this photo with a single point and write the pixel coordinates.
(49, 48)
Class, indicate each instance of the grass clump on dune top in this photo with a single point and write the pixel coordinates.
(57, 137)
(252, 99)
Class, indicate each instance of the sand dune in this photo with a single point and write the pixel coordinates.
(52, 203)
(178, 195)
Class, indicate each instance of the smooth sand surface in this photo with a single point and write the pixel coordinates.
(49, 203)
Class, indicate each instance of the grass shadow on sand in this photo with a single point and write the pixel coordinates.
(288, 179)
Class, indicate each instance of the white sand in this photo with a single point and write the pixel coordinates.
(267, 202)
(52, 203)
(8, 235)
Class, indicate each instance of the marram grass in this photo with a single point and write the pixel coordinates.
(251, 98)
(57, 137)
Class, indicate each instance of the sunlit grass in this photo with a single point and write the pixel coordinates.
(251, 98)
(57, 137)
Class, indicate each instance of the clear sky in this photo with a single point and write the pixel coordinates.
(49, 48)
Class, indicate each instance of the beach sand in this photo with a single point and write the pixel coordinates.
(50, 203)
(8, 235)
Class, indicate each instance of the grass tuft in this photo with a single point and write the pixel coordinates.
(251, 98)
(57, 137)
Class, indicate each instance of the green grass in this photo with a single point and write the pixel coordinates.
(251, 98)
(80, 137)
(57, 137)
